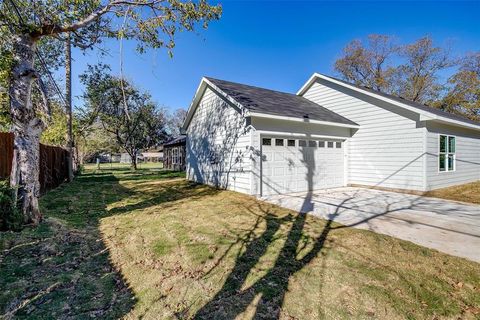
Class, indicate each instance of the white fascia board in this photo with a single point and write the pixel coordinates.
(306, 120)
(302, 135)
(198, 95)
(457, 123)
(425, 115)
(193, 105)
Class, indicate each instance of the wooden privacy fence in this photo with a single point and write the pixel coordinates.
(53, 162)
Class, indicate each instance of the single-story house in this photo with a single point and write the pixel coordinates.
(174, 154)
(331, 133)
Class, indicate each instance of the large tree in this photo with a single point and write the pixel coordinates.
(417, 79)
(410, 71)
(464, 93)
(368, 65)
(141, 127)
(154, 23)
(175, 121)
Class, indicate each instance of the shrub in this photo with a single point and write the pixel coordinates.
(10, 216)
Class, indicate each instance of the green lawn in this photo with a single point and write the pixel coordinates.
(123, 166)
(148, 244)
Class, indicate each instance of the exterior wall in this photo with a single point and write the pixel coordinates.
(467, 166)
(169, 163)
(264, 127)
(218, 145)
(388, 150)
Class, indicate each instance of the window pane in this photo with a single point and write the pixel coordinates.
(321, 144)
(312, 144)
(338, 144)
(291, 143)
(441, 162)
(279, 142)
(302, 143)
(267, 141)
(451, 161)
(443, 143)
(451, 144)
(330, 144)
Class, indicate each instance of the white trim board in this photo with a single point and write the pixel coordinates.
(306, 120)
(300, 135)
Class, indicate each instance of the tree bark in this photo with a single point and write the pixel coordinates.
(68, 97)
(134, 160)
(27, 127)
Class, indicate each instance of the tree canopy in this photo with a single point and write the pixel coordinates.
(140, 125)
(414, 71)
(27, 24)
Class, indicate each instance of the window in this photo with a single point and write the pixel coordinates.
(279, 142)
(302, 143)
(446, 153)
(175, 156)
(266, 141)
(312, 144)
(338, 144)
(291, 143)
(330, 144)
(321, 144)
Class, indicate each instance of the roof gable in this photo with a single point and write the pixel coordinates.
(261, 101)
(426, 113)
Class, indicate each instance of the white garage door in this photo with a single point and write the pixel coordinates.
(298, 165)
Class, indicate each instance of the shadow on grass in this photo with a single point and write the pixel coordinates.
(62, 268)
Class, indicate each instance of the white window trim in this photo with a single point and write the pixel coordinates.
(446, 154)
(175, 156)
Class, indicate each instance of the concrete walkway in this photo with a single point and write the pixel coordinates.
(446, 226)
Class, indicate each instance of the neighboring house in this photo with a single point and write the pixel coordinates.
(153, 155)
(174, 154)
(330, 134)
(125, 158)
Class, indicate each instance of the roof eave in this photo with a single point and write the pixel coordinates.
(305, 120)
(424, 115)
(444, 120)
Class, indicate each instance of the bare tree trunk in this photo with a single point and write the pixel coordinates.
(68, 97)
(134, 160)
(27, 127)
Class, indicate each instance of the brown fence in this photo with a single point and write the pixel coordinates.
(53, 162)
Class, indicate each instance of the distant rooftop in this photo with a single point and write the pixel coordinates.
(177, 140)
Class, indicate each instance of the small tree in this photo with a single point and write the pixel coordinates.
(141, 128)
(154, 23)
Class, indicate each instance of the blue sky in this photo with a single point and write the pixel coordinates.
(278, 45)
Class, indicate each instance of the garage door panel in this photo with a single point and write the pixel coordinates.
(286, 168)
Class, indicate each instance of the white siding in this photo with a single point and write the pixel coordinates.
(218, 145)
(467, 156)
(388, 149)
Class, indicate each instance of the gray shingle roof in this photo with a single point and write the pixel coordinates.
(177, 140)
(279, 103)
(410, 103)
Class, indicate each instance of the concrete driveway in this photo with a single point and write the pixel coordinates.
(446, 226)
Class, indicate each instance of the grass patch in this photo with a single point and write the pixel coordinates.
(118, 243)
(469, 192)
